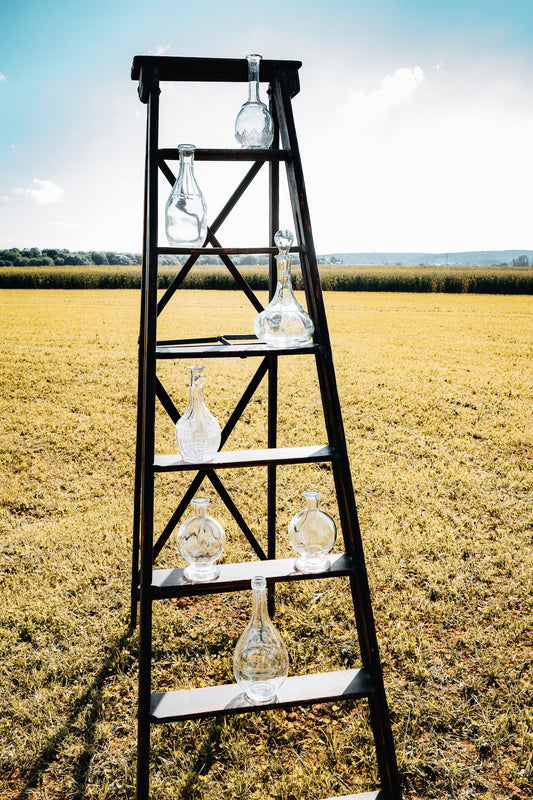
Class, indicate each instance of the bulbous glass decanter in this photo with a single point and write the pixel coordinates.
(201, 542)
(186, 210)
(197, 431)
(260, 660)
(312, 533)
(284, 323)
(254, 127)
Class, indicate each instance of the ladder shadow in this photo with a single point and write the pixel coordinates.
(89, 704)
(204, 760)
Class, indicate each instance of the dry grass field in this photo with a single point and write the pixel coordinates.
(437, 396)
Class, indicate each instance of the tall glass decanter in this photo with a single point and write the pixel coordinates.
(312, 533)
(186, 210)
(197, 431)
(260, 660)
(201, 542)
(284, 323)
(254, 127)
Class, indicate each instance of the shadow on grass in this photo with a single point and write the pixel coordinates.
(89, 704)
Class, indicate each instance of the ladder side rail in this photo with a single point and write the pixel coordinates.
(149, 301)
(360, 589)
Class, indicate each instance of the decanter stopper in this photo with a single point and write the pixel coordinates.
(186, 210)
(201, 542)
(260, 660)
(284, 323)
(197, 431)
(254, 127)
(312, 533)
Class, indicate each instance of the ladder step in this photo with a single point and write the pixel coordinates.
(229, 699)
(365, 796)
(224, 154)
(235, 577)
(226, 349)
(248, 458)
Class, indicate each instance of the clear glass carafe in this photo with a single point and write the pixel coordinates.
(312, 533)
(201, 542)
(186, 210)
(284, 323)
(254, 127)
(197, 431)
(260, 660)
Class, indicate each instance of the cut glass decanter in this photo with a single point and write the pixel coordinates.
(201, 542)
(197, 431)
(312, 533)
(254, 127)
(284, 323)
(260, 660)
(186, 210)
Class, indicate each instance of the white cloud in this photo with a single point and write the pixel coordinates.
(161, 49)
(393, 91)
(2, 77)
(43, 192)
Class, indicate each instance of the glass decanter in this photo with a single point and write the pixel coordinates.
(254, 127)
(197, 431)
(312, 533)
(284, 323)
(186, 211)
(201, 542)
(260, 660)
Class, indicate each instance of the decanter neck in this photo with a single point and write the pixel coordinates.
(196, 394)
(253, 78)
(284, 273)
(200, 506)
(259, 600)
(312, 497)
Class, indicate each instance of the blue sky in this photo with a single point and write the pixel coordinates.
(415, 119)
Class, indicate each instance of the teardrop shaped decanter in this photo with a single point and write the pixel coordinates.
(260, 660)
(197, 431)
(254, 127)
(186, 211)
(284, 323)
(312, 533)
(201, 542)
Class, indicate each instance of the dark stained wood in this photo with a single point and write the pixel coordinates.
(247, 458)
(228, 699)
(236, 577)
(379, 795)
(204, 154)
(251, 349)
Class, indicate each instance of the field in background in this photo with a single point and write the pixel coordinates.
(472, 280)
(437, 396)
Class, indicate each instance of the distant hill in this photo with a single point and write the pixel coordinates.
(482, 258)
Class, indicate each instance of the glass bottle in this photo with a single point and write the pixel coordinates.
(284, 323)
(312, 533)
(197, 431)
(201, 542)
(186, 211)
(254, 127)
(260, 660)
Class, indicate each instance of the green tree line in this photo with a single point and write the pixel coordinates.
(50, 257)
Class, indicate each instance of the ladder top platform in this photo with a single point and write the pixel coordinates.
(224, 70)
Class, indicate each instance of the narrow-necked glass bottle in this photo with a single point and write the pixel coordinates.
(312, 533)
(186, 211)
(197, 431)
(284, 323)
(201, 542)
(260, 660)
(254, 127)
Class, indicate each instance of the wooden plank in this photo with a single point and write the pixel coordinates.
(247, 458)
(230, 70)
(236, 577)
(220, 350)
(221, 251)
(229, 699)
(379, 795)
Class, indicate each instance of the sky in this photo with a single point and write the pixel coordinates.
(414, 119)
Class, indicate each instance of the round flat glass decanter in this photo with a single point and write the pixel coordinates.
(197, 431)
(284, 323)
(312, 533)
(201, 542)
(254, 127)
(260, 660)
(186, 211)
